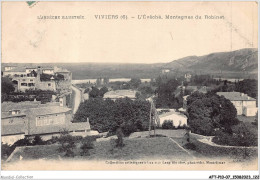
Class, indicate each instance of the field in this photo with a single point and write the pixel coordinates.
(138, 148)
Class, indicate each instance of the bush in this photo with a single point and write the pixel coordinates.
(167, 124)
(190, 146)
(67, 145)
(241, 136)
(87, 145)
(6, 150)
(107, 115)
(38, 140)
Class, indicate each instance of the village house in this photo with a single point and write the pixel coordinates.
(244, 104)
(33, 118)
(164, 71)
(120, 94)
(25, 78)
(187, 77)
(178, 119)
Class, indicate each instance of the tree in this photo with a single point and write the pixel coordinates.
(135, 82)
(7, 85)
(38, 140)
(67, 145)
(165, 91)
(94, 93)
(209, 112)
(107, 115)
(247, 86)
(102, 91)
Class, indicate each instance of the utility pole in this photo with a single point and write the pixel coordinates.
(150, 120)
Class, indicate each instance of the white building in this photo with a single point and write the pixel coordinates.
(244, 104)
(178, 119)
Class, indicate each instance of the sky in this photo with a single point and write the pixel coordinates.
(27, 39)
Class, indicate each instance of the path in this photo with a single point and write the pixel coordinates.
(77, 99)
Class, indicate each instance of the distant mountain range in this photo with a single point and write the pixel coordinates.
(235, 64)
(244, 60)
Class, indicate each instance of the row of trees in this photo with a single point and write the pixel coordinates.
(95, 92)
(247, 86)
(107, 115)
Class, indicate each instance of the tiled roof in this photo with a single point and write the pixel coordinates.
(48, 110)
(12, 129)
(81, 126)
(235, 96)
(120, 94)
(17, 69)
(5, 115)
(57, 69)
(7, 106)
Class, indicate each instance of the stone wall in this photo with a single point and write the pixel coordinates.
(205, 146)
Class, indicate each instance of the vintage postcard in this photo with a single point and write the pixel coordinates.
(129, 86)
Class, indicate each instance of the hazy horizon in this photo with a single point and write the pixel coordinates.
(92, 62)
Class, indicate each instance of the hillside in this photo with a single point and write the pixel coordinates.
(235, 64)
(244, 60)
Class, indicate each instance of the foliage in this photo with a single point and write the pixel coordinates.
(145, 91)
(38, 140)
(6, 150)
(67, 145)
(7, 85)
(107, 115)
(87, 144)
(241, 136)
(47, 77)
(95, 92)
(209, 112)
(165, 92)
(29, 95)
(168, 124)
(135, 83)
(203, 80)
(247, 86)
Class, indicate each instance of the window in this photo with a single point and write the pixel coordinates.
(49, 84)
(23, 84)
(31, 80)
(30, 84)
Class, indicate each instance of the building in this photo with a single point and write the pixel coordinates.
(164, 71)
(187, 77)
(120, 94)
(244, 104)
(33, 118)
(14, 72)
(178, 119)
(44, 78)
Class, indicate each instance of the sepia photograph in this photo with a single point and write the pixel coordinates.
(129, 86)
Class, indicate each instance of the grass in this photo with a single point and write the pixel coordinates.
(37, 152)
(141, 148)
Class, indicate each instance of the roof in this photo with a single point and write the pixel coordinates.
(62, 70)
(48, 110)
(17, 69)
(47, 68)
(13, 129)
(5, 115)
(120, 94)
(236, 96)
(7, 106)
